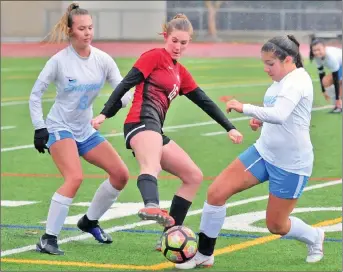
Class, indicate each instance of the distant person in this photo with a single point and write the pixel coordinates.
(331, 58)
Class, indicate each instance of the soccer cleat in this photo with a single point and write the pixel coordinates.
(199, 260)
(49, 246)
(336, 110)
(315, 251)
(160, 216)
(92, 227)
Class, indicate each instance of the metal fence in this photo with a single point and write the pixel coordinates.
(227, 19)
(243, 17)
(264, 15)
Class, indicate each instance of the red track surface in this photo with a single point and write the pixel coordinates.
(134, 49)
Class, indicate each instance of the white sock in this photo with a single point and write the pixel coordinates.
(103, 199)
(302, 232)
(212, 220)
(58, 211)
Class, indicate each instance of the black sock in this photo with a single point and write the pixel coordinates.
(90, 223)
(147, 185)
(179, 209)
(48, 236)
(206, 244)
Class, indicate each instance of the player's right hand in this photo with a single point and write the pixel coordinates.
(97, 121)
(235, 136)
(40, 139)
(255, 124)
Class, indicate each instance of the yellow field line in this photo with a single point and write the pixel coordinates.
(160, 266)
(81, 264)
(255, 242)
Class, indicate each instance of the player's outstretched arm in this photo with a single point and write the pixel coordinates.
(114, 103)
(46, 76)
(114, 78)
(277, 114)
(200, 98)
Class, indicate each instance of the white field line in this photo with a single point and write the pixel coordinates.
(7, 127)
(247, 118)
(167, 128)
(23, 102)
(145, 223)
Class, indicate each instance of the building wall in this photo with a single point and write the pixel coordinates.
(25, 18)
(112, 19)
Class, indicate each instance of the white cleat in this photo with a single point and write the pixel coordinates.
(199, 260)
(315, 251)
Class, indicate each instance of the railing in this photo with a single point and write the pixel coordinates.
(114, 24)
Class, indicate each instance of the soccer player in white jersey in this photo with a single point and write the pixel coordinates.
(283, 154)
(79, 71)
(330, 58)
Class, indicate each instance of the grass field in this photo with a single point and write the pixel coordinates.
(32, 177)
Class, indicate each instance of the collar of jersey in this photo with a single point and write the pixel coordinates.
(83, 58)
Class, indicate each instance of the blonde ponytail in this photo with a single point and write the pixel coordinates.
(61, 31)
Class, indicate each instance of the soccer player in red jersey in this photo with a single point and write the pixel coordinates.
(159, 78)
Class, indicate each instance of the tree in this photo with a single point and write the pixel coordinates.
(212, 7)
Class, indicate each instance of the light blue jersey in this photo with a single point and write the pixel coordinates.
(78, 81)
(285, 140)
(283, 154)
(332, 59)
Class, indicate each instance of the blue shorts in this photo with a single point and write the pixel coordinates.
(282, 184)
(340, 73)
(83, 147)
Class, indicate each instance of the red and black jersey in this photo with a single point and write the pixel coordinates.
(164, 80)
(158, 80)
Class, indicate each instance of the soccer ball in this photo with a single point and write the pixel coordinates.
(179, 244)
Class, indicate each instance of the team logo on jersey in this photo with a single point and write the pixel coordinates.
(173, 93)
(71, 80)
(269, 101)
(178, 78)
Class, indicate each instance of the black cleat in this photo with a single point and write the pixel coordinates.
(48, 244)
(92, 227)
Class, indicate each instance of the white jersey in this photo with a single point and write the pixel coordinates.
(285, 136)
(78, 81)
(332, 59)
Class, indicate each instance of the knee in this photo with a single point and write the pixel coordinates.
(153, 169)
(276, 227)
(215, 196)
(119, 177)
(326, 82)
(73, 182)
(195, 177)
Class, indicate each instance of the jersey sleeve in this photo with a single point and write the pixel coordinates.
(35, 104)
(286, 101)
(188, 84)
(49, 72)
(147, 62)
(113, 75)
(292, 92)
(333, 63)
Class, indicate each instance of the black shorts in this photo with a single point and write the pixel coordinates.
(131, 129)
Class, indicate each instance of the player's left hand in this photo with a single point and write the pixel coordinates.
(235, 136)
(97, 121)
(234, 105)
